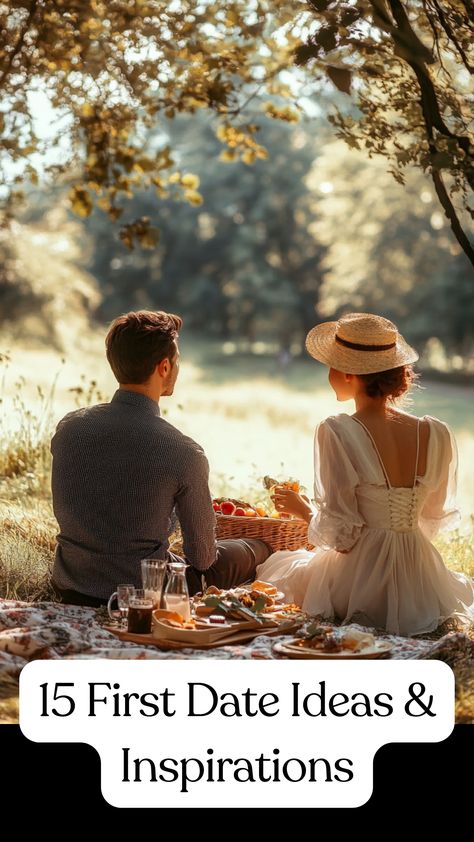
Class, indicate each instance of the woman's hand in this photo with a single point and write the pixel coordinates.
(292, 503)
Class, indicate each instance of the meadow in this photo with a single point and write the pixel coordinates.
(251, 416)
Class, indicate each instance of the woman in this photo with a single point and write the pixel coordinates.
(385, 484)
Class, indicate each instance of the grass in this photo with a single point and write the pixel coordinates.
(244, 411)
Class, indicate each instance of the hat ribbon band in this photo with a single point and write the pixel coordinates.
(356, 347)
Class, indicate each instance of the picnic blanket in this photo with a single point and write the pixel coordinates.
(29, 631)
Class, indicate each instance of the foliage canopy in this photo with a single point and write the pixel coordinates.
(115, 69)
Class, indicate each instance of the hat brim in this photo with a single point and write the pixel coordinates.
(322, 346)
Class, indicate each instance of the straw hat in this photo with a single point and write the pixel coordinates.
(359, 343)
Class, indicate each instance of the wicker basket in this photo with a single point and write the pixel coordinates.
(280, 534)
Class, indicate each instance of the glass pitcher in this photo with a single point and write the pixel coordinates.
(176, 593)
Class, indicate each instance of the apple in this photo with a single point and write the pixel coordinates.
(239, 512)
(227, 508)
(216, 507)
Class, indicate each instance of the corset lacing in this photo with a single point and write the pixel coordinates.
(402, 501)
(402, 509)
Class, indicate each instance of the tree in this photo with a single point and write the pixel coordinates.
(242, 264)
(408, 65)
(113, 69)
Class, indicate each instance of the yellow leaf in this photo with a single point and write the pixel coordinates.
(193, 197)
(227, 155)
(193, 102)
(190, 180)
(249, 157)
(104, 203)
(81, 202)
(87, 110)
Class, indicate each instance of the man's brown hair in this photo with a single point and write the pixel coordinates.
(136, 342)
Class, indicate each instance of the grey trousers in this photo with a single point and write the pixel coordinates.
(236, 561)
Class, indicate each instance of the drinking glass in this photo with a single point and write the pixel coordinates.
(122, 595)
(153, 572)
(140, 609)
(176, 593)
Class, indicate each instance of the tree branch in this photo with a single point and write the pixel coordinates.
(450, 212)
(452, 36)
(435, 36)
(433, 120)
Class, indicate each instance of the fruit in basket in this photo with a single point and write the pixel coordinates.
(239, 512)
(250, 513)
(261, 511)
(227, 508)
(216, 507)
(243, 503)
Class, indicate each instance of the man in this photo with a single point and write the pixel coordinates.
(119, 470)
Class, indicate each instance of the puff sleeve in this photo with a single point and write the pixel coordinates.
(439, 512)
(337, 523)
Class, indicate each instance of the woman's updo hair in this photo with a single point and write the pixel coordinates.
(393, 384)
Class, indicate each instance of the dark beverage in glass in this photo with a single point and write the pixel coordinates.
(139, 614)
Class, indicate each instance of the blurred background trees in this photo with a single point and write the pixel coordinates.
(175, 156)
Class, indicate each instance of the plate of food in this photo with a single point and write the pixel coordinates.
(219, 617)
(326, 642)
(217, 614)
(258, 593)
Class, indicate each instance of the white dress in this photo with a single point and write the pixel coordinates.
(392, 577)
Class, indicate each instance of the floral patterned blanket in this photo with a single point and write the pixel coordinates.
(48, 630)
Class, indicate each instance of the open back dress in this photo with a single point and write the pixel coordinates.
(373, 561)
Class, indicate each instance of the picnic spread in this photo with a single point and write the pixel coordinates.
(48, 630)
